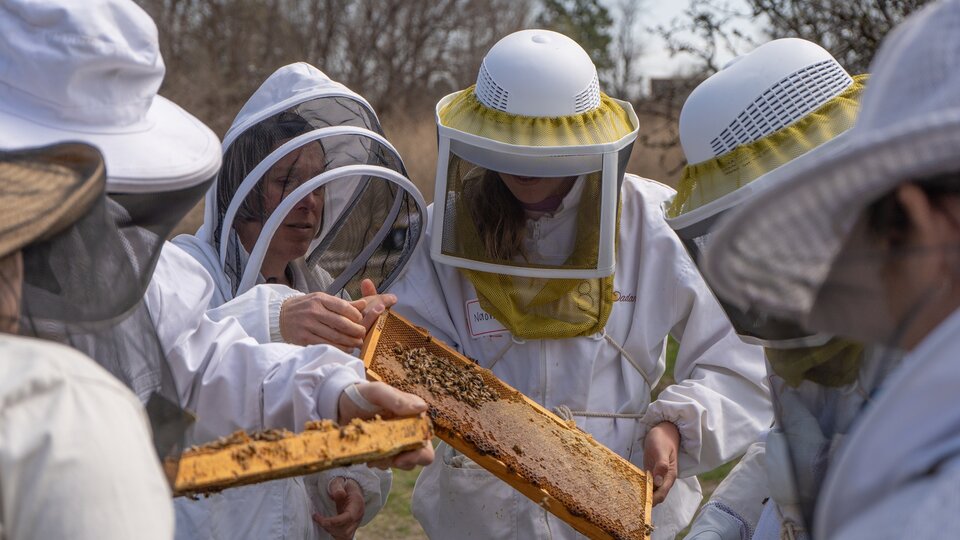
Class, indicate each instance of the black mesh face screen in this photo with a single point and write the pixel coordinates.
(85, 288)
(157, 212)
(373, 238)
(366, 225)
(258, 141)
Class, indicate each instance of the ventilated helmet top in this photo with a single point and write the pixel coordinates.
(538, 73)
(756, 94)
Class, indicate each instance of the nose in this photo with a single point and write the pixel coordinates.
(312, 202)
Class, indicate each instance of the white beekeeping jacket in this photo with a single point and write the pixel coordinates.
(76, 456)
(719, 404)
(896, 474)
(233, 382)
(287, 504)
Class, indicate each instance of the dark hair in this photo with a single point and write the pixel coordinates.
(887, 218)
(498, 217)
(244, 154)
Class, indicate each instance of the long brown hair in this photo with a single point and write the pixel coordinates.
(499, 218)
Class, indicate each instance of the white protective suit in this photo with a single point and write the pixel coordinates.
(896, 475)
(75, 454)
(759, 494)
(258, 312)
(231, 382)
(719, 405)
(287, 503)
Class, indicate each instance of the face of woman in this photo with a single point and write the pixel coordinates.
(532, 191)
(302, 223)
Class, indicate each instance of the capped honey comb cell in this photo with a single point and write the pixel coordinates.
(243, 458)
(553, 463)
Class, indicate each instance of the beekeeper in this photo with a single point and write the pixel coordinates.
(311, 201)
(550, 266)
(742, 130)
(76, 456)
(862, 242)
(93, 77)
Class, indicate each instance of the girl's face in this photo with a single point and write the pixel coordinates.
(532, 190)
(302, 223)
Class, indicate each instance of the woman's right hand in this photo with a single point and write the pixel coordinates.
(390, 403)
(319, 318)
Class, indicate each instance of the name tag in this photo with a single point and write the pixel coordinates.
(480, 322)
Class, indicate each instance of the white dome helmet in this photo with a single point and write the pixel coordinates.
(519, 76)
(535, 111)
(745, 127)
(756, 94)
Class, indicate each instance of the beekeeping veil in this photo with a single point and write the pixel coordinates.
(802, 249)
(313, 135)
(89, 71)
(743, 128)
(536, 111)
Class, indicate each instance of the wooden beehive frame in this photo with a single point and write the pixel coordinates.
(491, 464)
(254, 461)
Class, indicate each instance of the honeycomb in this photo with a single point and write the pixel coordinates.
(243, 458)
(555, 464)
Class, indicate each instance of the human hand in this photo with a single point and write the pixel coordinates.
(319, 318)
(660, 450)
(388, 402)
(348, 497)
(372, 305)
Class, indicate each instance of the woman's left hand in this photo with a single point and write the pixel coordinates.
(348, 497)
(660, 450)
(372, 305)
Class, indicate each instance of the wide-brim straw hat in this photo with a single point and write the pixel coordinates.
(44, 191)
(774, 252)
(89, 70)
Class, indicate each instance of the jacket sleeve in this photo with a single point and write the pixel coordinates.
(257, 311)
(375, 484)
(223, 375)
(720, 402)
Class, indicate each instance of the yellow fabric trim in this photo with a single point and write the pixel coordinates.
(834, 364)
(708, 181)
(534, 308)
(606, 124)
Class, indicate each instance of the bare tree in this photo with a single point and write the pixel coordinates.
(850, 29)
(397, 53)
(627, 50)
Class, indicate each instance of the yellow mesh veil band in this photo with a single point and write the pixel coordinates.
(537, 308)
(710, 180)
(608, 123)
(834, 364)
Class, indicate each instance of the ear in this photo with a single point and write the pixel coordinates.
(920, 213)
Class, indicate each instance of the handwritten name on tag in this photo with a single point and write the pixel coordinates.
(480, 322)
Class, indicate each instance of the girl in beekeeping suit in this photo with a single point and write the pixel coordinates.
(313, 204)
(550, 266)
(862, 242)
